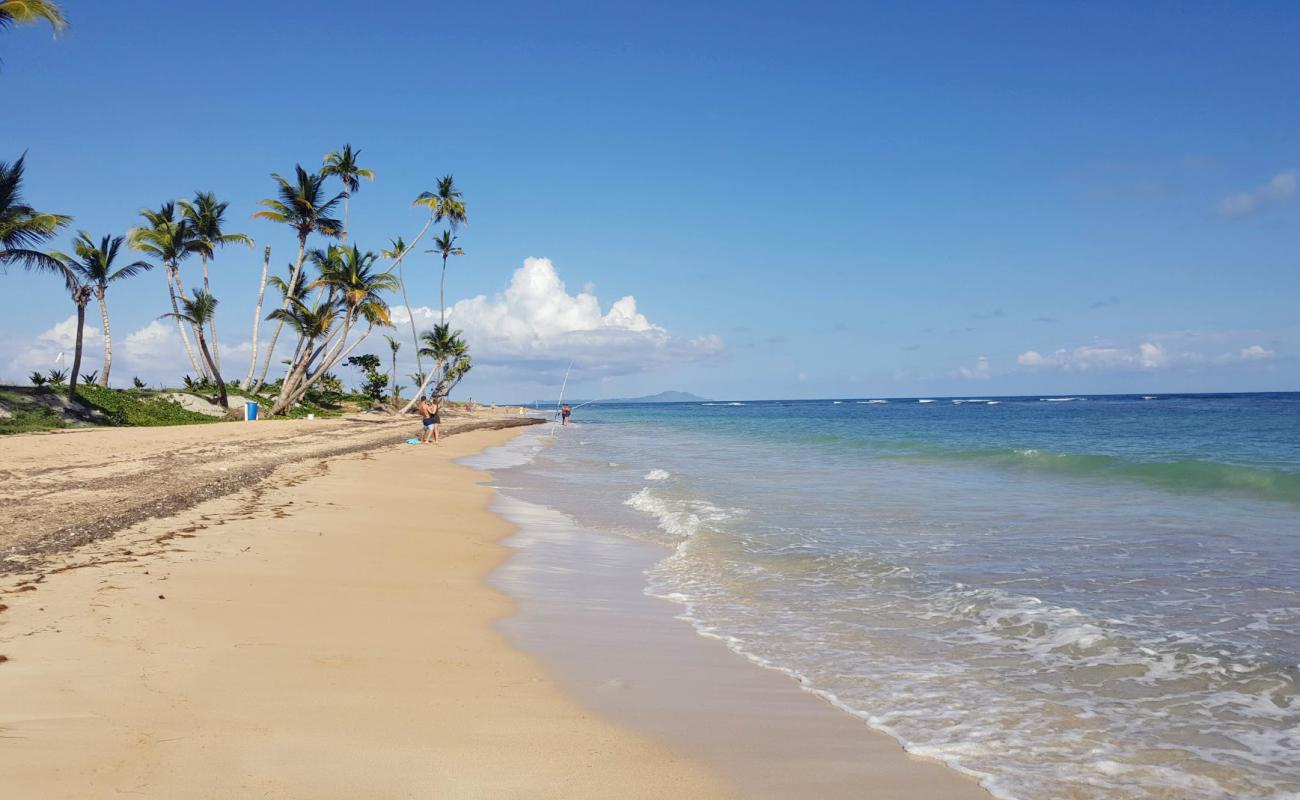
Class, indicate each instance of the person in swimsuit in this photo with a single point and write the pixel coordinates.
(565, 411)
(429, 411)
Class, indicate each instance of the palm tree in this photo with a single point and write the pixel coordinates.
(198, 312)
(394, 345)
(446, 203)
(81, 293)
(355, 291)
(397, 251)
(22, 227)
(206, 216)
(444, 245)
(303, 206)
(343, 165)
(171, 241)
(257, 315)
(94, 266)
(451, 353)
(26, 12)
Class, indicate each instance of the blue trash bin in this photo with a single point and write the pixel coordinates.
(250, 412)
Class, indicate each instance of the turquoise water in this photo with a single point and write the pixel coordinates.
(1070, 598)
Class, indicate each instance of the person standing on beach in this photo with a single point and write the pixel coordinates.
(429, 411)
(565, 411)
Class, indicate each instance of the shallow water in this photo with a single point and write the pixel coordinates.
(1078, 598)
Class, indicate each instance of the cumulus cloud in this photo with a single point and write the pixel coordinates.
(1279, 189)
(1256, 353)
(535, 322)
(982, 371)
(20, 355)
(64, 334)
(156, 340)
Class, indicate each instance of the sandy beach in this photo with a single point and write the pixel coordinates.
(327, 630)
(330, 638)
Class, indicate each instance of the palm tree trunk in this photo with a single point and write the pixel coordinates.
(257, 316)
(396, 399)
(442, 293)
(442, 304)
(212, 321)
(327, 363)
(216, 373)
(346, 197)
(423, 387)
(293, 283)
(76, 358)
(108, 338)
(180, 324)
(415, 337)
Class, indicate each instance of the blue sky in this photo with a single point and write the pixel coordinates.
(805, 200)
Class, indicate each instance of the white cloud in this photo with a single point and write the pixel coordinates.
(1151, 356)
(1147, 355)
(1280, 189)
(155, 341)
(64, 334)
(536, 322)
(21, 355)
(980, 372)
(1097, 357)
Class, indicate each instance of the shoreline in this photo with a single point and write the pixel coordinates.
(332, 636)
(633, 658)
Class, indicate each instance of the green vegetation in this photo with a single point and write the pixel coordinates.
(376, 381)
(42, 408)
(137, 408)
(25, 415)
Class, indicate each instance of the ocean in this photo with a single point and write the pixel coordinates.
(1067, 597)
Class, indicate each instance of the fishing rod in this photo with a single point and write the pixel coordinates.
(559, 404)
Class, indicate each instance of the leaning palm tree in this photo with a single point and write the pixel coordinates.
(451, 354)
(81, 292)
(394, 345)
(342, 164)
(26, 12)
(356, 291)
(444, 245)
(22, 227)
(171, 241)
(206, 216)
(303, 206)
(94, 267)
(397, 251)
(198, 312)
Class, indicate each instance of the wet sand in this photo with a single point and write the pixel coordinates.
(626, 656)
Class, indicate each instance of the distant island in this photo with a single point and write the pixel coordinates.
(662, 397)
